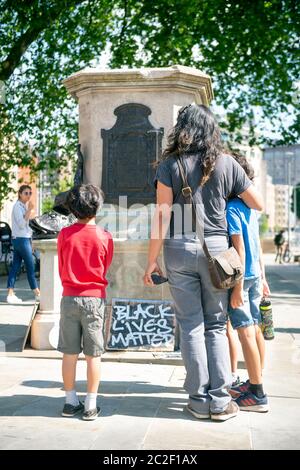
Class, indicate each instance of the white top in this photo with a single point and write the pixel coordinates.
(20, 226)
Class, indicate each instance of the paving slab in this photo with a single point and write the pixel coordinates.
(142, 400)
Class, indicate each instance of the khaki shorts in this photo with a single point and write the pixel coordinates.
(81, 326)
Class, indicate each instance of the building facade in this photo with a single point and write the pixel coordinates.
(283, 164)
(269, 201)
(282, 201)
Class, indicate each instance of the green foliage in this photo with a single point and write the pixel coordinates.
(38, 118)
(61, 186)
(249, 49)
(263, 225)
(47, 204)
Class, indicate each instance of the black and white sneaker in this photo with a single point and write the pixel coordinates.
(70, 410)
(91, 414)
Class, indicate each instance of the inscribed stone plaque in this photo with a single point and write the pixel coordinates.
(130, 148)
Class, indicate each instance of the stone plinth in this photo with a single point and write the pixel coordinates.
(44, 329)
(125, 275)
(99, 92)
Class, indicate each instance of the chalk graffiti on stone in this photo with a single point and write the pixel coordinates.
(141, 323)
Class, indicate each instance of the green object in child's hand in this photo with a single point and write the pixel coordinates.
(266, 325)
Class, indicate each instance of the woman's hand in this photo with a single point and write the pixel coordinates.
(153, 267)
(236, 298)
(30, 213)
(30, 206)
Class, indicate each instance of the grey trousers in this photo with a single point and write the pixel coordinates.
(201, 312)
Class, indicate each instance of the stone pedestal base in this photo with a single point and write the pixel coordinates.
(44, 331)
(125, 274)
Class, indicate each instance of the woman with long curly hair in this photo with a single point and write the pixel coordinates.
(200, 308)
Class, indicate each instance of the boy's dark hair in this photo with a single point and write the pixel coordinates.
(242, 160)
(85, 200)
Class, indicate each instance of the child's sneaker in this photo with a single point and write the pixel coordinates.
(250, 402)
(91, 414)
(70, 410)
(237, 390)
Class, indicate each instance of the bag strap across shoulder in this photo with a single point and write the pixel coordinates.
(187, 193)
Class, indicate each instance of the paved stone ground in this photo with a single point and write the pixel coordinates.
(143, 404)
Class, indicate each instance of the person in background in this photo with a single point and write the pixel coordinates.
(85, 253)
(245, 298)
(279, 241)
(23, 211)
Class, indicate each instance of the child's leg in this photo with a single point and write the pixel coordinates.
(247, 336)
(233, 350)
(93, 373)
(69, 363)
(93, 346)
(69, 344)
(93, 380)
(244, 320)
(254, 301)
(260, 341)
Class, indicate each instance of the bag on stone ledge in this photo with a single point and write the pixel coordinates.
(48, 225)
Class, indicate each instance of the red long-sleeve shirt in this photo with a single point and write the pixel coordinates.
(85, 252)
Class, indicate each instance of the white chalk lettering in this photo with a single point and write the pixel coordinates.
(139, 326)
(121, 311)
(162, 323)
(118, 339)
(144, 312)
(157, 340)
(115, 326)
(165, 311)
(141, 323)
(149, 326)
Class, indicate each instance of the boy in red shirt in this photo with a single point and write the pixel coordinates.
(84, 254)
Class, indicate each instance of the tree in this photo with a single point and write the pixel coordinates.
(249, 49)
(61, 185)
(42, 42)
(263, 225)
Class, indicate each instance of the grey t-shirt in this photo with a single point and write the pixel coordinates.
(228, 177)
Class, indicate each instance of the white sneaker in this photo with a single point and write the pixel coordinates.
(37, 298)
(13, 299)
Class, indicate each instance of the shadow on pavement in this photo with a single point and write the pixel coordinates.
(281, 285)
(11, 337)
(288, 330)
(138, 405)
(110, 387)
